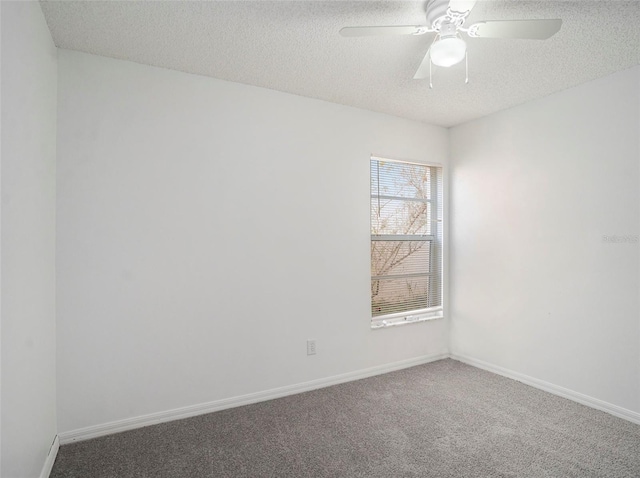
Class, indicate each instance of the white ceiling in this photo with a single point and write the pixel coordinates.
(294, 46)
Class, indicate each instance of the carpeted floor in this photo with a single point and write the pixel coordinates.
(443, 419)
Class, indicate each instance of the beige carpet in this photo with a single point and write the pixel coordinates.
(443, 419)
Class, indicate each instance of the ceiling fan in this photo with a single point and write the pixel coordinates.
(446, 19)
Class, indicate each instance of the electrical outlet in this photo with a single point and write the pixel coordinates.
(311, 347)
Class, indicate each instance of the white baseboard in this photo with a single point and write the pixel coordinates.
(203, 408)
(51, 458)
(554, 389)
(200, 409)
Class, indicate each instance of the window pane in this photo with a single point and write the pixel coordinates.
(400, 180)
(400, 217)
(389, 296)
(406, 237)
(400, 257)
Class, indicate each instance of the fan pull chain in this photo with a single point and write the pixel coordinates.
(430, 80)
(466, 67)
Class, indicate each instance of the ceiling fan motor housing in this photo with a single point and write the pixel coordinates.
(436, 12)
(440, 12)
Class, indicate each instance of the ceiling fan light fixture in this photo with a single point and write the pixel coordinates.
(448, 51)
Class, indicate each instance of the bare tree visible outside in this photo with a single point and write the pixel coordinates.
(401, 236)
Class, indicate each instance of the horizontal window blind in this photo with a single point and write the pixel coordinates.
(406, 238)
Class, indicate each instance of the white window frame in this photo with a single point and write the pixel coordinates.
(429, 313)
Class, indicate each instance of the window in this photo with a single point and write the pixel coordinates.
(406, 242)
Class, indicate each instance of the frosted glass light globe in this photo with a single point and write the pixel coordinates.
(448, 51)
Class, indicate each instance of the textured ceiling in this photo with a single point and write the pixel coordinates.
(294, 46)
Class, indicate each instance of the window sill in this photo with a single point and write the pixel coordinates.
(385, 324)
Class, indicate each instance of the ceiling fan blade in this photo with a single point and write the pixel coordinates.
(526, 29)
(461, 5)
(423, 69)
(388, 30)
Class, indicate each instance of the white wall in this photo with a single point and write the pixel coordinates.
(29, 72)
(536, 290)
(206, 229)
